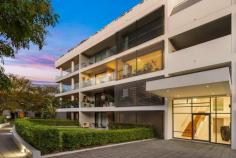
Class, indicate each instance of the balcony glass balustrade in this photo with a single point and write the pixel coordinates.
(98, 79)
(66, 88)
(100, 56)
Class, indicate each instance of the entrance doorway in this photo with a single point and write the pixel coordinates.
(201, 127)
(203, 119)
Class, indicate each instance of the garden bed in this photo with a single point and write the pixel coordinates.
(57, 138)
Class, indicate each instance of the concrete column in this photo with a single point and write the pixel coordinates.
(61, 72)
(60, 87)
(233, 123)
(72, 97)
(168, 120)
(233, 106)
(72, 66)
(72, 83)
(86, 117)
(72, 115)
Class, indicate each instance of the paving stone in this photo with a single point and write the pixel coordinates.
(160, 149)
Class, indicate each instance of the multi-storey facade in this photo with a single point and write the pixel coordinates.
(168, 63)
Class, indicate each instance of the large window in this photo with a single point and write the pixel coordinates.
(141, 62)
(135, 94)
(145, 29)
(149, 62)
(204, 118)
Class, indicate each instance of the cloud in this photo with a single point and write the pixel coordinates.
(33, 72)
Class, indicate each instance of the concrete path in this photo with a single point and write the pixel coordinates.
(160, 149)
(8, 148)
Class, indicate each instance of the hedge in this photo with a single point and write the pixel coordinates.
(2, 119)
(44, 138)
(55, 122)
(50, 139)
(77, 139)
(127, 126)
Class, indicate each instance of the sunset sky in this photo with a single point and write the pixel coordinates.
(79, 19)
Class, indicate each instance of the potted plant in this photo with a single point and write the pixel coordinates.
(92, 104)
(110, 100)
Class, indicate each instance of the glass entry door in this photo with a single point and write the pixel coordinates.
(201, 127)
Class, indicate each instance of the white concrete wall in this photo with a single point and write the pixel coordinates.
(196, 12)
(86, 117)
(234, 80)
(209, 53)
(234, 106)
(168, 120)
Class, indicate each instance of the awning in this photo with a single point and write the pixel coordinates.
(206, 83)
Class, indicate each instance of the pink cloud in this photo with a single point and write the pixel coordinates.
(33, 72)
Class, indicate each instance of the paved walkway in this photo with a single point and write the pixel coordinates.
(8, 148)
(160, 149)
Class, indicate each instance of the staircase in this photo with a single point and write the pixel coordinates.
(188, 130)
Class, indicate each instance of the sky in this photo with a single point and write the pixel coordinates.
(79, 19)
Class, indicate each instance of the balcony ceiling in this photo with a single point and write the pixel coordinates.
(103, 68)
(207, 83)
(110, 42)
(204, 33)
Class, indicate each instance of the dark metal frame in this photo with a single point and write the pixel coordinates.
(210, 113)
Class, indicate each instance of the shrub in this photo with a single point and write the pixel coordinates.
(55, 122)
(127, 126)
(2, 119)
(49, 139)
(77, 139)
(44, 138)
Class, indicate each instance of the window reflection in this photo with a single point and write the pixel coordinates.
(140, 63)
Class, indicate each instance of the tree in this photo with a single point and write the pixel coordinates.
(23, 95)
(22, 23)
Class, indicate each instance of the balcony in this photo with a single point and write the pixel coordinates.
(195, 12)
(143, 61)
(98, 79)
(102, 98)
(66, 88)
(99, 56)
(206, 54)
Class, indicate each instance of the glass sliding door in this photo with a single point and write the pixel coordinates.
(201, 128)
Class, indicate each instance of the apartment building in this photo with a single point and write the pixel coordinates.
(167, 63)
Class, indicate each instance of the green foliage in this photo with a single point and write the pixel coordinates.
(48, 136)
(127, 126)
(28, 20)
(4, 80)
(76, 139)
(2, 119)
(44, 138)
(22, 95)
(23, 23)
(55, 122)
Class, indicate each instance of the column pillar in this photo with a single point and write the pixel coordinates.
(72, 83)
(72, 97)
(61, 72)
(72, 115)
(168, 120)
(72, 66)
(233, 89)
(60, 87)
